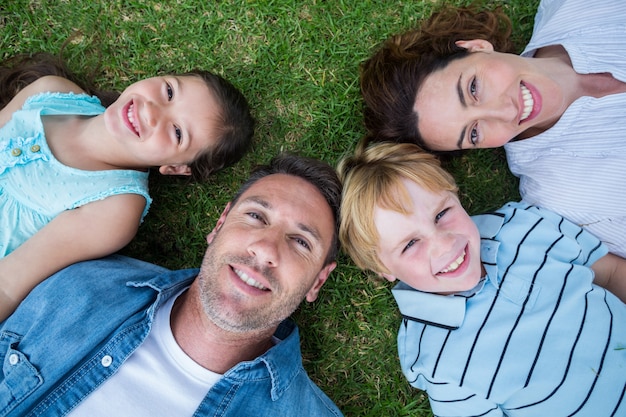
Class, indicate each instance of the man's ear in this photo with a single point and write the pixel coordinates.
(321, 278)
(175, 170)
(218, 225)
(476, 45)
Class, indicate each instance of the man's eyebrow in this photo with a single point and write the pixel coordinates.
(311, 231)
(459, 91)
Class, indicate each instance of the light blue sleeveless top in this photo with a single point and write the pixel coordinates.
(35, 186)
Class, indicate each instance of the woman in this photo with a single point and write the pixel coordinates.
(557, 109)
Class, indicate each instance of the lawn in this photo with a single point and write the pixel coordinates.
(297, 62)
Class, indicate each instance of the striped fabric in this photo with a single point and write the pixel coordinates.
(536, 339)
(578, 167)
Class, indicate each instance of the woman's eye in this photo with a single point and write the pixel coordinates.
(473, 88)
(473, 135)
(440, 215)
(170, 92)
(408, 245)
(178, 133)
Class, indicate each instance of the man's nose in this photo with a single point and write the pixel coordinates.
(265, 248)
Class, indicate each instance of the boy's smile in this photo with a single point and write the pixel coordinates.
(435, 247)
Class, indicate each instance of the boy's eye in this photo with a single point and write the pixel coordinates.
(440, 215)
(408, 245)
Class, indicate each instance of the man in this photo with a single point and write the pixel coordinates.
(120, 337)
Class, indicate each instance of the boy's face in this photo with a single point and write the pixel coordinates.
(436, 248)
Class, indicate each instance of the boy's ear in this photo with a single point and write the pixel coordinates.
(175, 170)
(388, 277)
(476, 45)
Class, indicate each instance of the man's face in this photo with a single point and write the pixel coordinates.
(266, 254)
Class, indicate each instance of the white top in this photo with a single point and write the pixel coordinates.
(158, 379)
(577, 168)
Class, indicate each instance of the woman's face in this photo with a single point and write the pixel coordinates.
(486, 99)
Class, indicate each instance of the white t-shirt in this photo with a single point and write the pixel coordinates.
(158, 379)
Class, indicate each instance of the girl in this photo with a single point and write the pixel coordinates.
(73, 174)
(557, 109)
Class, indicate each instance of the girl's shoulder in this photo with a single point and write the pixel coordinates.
(52, 83)
(48, 83)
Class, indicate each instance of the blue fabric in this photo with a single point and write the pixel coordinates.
(536, 337)
(55, 348)
(577, 167)
(34, 186)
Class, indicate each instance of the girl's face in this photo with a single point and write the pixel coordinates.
(486, 99)
(435, 248)
(163, 121)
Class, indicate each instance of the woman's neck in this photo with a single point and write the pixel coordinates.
(593, 85)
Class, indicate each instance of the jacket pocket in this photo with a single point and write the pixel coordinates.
(19, 377)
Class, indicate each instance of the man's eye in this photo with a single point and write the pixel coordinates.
(303, 243)
(256, 216)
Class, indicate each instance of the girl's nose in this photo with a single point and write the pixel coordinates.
(151, 111)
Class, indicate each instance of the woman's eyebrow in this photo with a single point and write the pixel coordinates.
(459, 91)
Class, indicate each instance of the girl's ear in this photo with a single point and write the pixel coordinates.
(175, 170)
(476, 45)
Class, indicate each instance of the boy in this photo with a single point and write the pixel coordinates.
(500, 313)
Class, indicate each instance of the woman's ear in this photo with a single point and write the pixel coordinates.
(175, 170)
(476, 45)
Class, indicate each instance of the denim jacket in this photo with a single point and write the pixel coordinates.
(76, 328)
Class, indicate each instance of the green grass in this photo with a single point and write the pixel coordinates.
(297, 62)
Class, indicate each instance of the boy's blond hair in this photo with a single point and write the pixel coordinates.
(373, 177)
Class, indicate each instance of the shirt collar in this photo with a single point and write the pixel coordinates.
(448, 311)
(283, 361)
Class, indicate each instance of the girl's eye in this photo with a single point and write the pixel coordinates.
(170, 92)
(408, 245)
(178, 133)
(440, 215)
